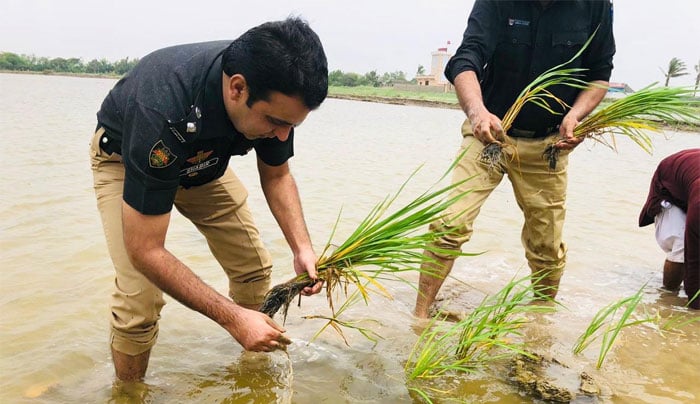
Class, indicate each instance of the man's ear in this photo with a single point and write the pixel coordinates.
(237, 88)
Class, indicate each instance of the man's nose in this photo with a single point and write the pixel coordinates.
(282, 132)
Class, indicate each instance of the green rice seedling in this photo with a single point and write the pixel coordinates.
(604, 325)
(538, 93)
(381, 248)
(676, 323)
(487, 334)
(422, 394)
(691, 299)
(635, 116)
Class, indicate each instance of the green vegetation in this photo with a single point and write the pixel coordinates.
(373, 79)
(604, 326)
(697, 78)
(676, 68)
(23, 63)
(635, 116)
(538, 93)
(388, 94)
(491, 332)
(382, 247)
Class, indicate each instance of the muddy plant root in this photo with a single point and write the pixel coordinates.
(491, 155)
(280, 296)
(551, 154)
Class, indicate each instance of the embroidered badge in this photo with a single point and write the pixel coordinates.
(199, 162)
(201, 156)
(160, 156)
(514, 21)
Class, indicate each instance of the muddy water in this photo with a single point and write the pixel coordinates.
(56, 277)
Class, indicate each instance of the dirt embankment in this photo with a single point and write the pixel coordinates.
(396, 101)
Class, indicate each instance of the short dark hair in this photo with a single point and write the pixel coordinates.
(284, 56)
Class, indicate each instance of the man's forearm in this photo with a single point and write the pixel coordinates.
(589, 99)
(469, 94)
(177, 280)
(283, 198)
(144, 239)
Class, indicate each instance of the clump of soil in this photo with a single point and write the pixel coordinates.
(534, 376)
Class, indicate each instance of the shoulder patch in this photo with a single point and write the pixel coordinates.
(160, 156)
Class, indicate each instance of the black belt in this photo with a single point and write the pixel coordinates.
(532, 134)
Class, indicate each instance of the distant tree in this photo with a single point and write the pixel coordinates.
(697, 78)
(12, 61)
(372, 78)
(676, 68)
(98, 66)
(335, 78)
(58, 65)
(351, 79)
(124, 65)
(420, 71)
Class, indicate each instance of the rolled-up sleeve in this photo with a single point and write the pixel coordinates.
(478, 42)
(598, 58)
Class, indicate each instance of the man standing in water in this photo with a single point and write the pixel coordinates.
(673, 204)
(506, 45)
(165, 135)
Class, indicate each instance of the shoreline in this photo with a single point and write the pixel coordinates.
(395, 101)
(64, 74)
(448, 105)
(350, 97)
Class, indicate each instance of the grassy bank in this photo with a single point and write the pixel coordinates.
(391, 95)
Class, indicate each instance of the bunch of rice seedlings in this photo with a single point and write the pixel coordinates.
(536, 92)
(382, 247)
(604, 325)
(487, 334)
(634, 116)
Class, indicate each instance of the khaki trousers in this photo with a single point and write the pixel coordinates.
(539, 192)
(219, 211)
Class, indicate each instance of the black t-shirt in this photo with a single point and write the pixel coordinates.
(167, 119)
(509, 43)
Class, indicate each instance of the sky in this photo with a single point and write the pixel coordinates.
(358, 35)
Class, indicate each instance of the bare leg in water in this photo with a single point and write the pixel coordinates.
(432, 277)
(130, 368)
(673, 275)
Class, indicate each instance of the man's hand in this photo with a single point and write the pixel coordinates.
(486, 126)
(585, 102)
(256, 331)
(305, 262)
(568, 141)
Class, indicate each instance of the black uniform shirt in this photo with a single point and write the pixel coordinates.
(167, 120)
(509, 43)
